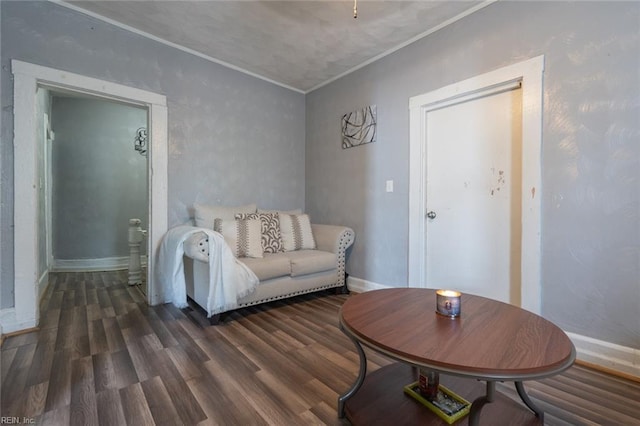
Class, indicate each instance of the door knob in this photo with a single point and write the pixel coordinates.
(431, 215)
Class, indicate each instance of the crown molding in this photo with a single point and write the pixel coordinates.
(171, 44)
(444, 24)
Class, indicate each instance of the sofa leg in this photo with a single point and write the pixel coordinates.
(215, 319)
(344, 289)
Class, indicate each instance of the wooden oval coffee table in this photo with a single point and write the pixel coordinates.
(490, 341)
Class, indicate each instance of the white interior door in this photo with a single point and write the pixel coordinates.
(473, 187)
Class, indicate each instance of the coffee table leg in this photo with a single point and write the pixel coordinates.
(359, 380)
(528, 402)
(478, 403)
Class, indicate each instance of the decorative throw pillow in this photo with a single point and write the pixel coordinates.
(296, 232)
(271, 239)
(242, 236)
(205, 215)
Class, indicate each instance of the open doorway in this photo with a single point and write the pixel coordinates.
(27, 77)
(97, 181)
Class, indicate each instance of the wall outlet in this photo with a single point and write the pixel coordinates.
(389, 186)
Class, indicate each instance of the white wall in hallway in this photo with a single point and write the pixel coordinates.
(99, 180)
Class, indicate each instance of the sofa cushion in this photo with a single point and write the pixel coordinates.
(296, 232)
(271, 239)
(205, 215)
(242, 236)
(270, 266)
(305, 262)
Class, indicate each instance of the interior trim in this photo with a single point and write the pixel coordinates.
(430, 31)
(94, 265)
(444, 24)
(27, 77)
(171, 44)
(607, 356)
(530, 74)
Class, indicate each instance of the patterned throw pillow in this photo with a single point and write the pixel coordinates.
(242, 236)
(271, 239)
(296, 232)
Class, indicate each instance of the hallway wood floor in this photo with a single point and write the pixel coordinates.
(103, 357)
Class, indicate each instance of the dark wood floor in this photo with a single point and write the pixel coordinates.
(103, 357)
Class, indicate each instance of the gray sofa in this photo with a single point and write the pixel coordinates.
(281, 275)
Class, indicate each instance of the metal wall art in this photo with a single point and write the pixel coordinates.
(359, 127)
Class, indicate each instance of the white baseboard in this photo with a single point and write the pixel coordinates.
(608, 355)
(93, 265)
(359, 285)
(43, 283)
(600, 353)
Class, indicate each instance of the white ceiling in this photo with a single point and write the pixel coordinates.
(297, 44)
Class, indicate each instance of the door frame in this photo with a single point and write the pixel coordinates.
(27, 77)
(529, 74)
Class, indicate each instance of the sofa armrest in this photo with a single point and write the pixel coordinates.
(334, 239)
(197, 247)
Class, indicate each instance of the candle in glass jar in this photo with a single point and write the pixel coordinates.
(448, 303)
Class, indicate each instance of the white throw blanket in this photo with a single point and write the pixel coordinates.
(229, 279)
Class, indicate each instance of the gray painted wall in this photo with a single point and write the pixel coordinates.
(233, 139)
(591, 154)
(99, 180)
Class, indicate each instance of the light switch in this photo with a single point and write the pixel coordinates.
(389, 186)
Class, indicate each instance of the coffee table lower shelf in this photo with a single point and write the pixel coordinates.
(381, 400)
